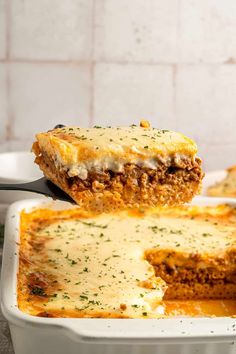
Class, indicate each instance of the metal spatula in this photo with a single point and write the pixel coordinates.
(40, 186)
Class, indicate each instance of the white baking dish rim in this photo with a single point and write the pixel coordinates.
(138, 331)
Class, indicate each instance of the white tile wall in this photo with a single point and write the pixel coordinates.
(3, 14)
(124, 94)
(216, 156)
(113, 62)
(55, 29)
(207, 31)
(16, 145)
(136, 30)
(43, 96)
(206, 104)
(219, 156)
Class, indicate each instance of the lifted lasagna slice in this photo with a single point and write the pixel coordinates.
(109, 168)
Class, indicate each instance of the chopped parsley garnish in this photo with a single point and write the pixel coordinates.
(71, 261)
(83, 297)
(37, 290)
(93, 224)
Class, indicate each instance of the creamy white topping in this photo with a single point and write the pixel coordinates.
(117, 165)
(100, 261)
(79, 150)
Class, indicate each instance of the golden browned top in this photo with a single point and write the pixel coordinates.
(111, 147)
(77, 264)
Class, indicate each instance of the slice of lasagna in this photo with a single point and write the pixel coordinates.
(77, 264)
(105, 168)
(226, 187)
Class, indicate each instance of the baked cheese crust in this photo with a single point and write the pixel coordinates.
(80, 150)
(124, 264)
(114, 167)
(226, 187)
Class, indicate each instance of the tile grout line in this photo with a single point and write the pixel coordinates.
(175, 66)
(8, 21)
(10, 119)
(8, 127)
(91, 103)
(115, 62)
(45, 61)
(174, 73)
(92, 65)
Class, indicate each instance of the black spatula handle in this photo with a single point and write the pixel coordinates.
(40, 186)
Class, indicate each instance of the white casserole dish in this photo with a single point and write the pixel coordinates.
(36, 335)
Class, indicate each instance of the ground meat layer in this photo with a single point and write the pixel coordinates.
(135, 186)
(194, 283)
(197, 291)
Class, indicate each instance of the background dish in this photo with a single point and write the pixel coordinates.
(17, 167)
(211, 178)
